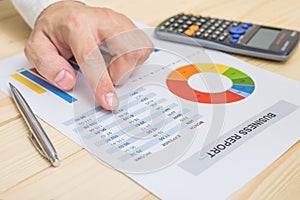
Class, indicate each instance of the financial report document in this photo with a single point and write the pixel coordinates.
(191, 122)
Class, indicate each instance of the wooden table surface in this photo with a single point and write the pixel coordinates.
(24, 174)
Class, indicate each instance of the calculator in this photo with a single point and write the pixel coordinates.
(232, 36)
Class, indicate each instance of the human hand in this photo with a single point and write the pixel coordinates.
(69, 28)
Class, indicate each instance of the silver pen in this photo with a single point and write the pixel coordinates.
(37, 135)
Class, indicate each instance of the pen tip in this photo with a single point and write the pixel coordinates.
(11, 85)
(55, 161)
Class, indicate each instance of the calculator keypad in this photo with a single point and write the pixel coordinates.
(206, 28)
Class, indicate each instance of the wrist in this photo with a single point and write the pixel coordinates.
(31, 10)
(59, 4)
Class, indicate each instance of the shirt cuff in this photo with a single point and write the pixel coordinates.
(30, 10)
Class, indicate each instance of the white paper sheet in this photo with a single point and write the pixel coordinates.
(160, 136)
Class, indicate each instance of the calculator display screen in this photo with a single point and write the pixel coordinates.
(263, 38)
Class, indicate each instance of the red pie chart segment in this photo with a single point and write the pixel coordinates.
(182, 89)
(242, 84)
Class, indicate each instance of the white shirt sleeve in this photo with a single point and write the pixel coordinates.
(30, 10)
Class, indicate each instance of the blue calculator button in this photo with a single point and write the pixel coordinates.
(235, 36)
(245, 26)
(237, 30)
(233, 41)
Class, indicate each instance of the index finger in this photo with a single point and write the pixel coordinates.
(92, 64)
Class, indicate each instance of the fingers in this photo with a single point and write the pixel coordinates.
(94, 68)
(45, 58)
(122, 67)
(129, 55)
(130, 50)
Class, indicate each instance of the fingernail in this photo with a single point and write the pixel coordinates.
(64, 79)
(112, 100)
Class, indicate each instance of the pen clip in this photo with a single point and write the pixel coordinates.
(36, 144)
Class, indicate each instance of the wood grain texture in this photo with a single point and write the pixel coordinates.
(26, 175)
(7, 9)
(279, 181)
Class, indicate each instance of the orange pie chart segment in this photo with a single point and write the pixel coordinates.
(187, 71)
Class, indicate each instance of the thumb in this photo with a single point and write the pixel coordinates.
(48, 62)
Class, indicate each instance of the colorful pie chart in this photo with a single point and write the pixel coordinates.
(242, 85)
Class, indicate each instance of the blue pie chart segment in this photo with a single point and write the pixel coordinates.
(246, 90)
